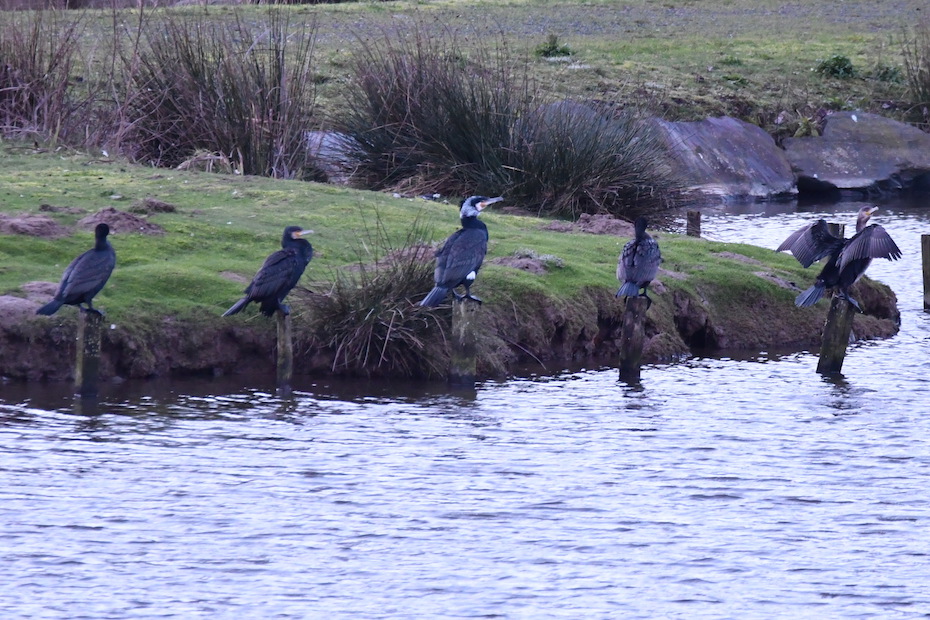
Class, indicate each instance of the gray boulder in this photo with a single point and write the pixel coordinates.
(729, 158)
(864, 152)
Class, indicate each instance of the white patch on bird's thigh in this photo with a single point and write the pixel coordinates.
(471, 276)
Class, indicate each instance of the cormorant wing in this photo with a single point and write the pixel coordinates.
(274, 275)
(462, 253)
(871, 242)
(87, 272)
(811, 243)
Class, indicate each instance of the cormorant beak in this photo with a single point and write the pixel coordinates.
(486, 203)
(300, 233)
(871, 210)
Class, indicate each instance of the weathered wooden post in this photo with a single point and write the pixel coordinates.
(87, 364)
(693, 228)
(285, 350)
(463, 363)
(836, 332)
(925, 252)
(632, 337)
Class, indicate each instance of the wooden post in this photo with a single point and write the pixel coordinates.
(693, 228)
(835, 336)
(285, 350)
(925, 252)
(87, 364)
(632, 337)
(463, 366)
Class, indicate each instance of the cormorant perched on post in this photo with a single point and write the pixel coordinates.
(85, 276)
(848, 258)
(638, 263)
(460, 257)
(278, 275)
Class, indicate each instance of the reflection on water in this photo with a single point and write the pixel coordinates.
(745, 486)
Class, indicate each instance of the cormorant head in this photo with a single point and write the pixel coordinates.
(640, 226)
(476, 204)
(863, 217)
(101, 231)
(292, 233)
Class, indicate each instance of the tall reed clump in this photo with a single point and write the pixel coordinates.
(38, 51)
(425, 116)
(570, 158)
(368, 323)
(916, 53)
(242, 90)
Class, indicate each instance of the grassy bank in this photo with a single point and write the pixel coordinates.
(168, 291)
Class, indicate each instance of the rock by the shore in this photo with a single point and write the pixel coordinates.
(729, 158)
(861, 152)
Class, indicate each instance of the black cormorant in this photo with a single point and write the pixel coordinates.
(848, 258)
(638, 263)
(85, 276)
(460, 257)
(278, 275)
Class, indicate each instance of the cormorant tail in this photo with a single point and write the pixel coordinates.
(50, 308)
(236, 307)
(810, 296)
(435, 297)
(629, 289)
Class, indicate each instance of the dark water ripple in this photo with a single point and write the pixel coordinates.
(742, 487)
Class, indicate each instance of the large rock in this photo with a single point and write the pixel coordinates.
(728, 157)
(862, 152)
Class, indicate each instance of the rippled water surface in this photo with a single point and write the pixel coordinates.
(738, 487)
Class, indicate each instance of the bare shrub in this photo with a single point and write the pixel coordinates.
(368, 322)
(242, 90)
(916, 53)
(37, 56)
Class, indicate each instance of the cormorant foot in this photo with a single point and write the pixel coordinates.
(90, 310)
(852, 302)
(285, 309)
(473, 298)
(648, 299)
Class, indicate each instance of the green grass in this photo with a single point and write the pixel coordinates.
(230, 224)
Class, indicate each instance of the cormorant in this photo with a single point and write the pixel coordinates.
(638, 263)
(460, 257)
(85, 276)
(848, 258)
(278, 275)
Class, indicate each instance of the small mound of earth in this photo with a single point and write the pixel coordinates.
(738, 257)
(32, 225)
(120, 222)
(39, 290)
(15, 309)
(532, 265)
(149, 205)
(600, 224)
(54, 209)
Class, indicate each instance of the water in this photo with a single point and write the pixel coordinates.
(740, 487)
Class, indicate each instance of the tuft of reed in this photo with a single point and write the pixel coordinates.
(570, 158)
(38, 51)
(423, 117)
(368, 322)
(242, 90)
